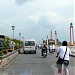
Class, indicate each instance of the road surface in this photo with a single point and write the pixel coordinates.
(35, 64)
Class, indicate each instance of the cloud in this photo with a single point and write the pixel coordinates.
(20, 2)
(63, 3)
(37, 17)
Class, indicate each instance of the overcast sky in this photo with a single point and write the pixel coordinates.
(36, 18)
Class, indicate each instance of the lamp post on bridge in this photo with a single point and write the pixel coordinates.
(13, 27)
(19, 39)
(47, 41)
(19, 42)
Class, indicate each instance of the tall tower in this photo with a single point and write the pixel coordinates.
(51, 34)
(71, 35)
(47, 41)
(55, 38)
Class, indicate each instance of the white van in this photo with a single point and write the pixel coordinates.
(30, 45)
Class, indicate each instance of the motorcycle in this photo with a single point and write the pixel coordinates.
(44, 54)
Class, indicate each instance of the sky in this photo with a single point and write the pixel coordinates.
(36, 18)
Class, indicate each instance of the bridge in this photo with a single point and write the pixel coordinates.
(32, 64)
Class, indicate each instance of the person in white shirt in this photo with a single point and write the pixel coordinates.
(65, 52)
(50, 48)
(53, 48)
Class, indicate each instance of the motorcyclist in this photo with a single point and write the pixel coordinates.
(44, 48)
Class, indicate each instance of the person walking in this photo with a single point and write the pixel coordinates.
(50, 48)
(53, 48)
(64, 57)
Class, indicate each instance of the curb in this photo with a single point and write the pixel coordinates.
(8, 64)
(8, 59)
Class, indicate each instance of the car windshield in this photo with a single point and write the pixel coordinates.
(29, 43)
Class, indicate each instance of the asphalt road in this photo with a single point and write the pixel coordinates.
(35, 64)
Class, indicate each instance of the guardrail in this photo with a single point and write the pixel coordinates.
(10, 53)
(6, 59)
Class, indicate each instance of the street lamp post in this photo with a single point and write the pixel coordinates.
(42, 41)
(23, 38)
(47, 41)
(19, 39)
(23, 42)
(19, 35)
(13, 27)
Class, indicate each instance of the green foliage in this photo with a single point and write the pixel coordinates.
(1, 53)
(7, 39)
(18, 43)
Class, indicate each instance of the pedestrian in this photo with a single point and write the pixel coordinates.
(64, 56)
(50, 48)
(53, 48)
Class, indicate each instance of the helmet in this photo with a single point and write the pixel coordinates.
(64, 43)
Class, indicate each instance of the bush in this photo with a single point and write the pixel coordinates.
(1, 53)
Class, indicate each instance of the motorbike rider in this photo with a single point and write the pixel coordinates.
(44, 48)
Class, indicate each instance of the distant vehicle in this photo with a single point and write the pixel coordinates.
(30, 46)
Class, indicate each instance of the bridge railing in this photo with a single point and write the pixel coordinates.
(10, 53)
(6, 59)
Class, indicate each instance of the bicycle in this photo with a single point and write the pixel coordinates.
(65, 70)
(64, 66)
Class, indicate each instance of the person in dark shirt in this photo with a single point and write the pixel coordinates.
(44, 48)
